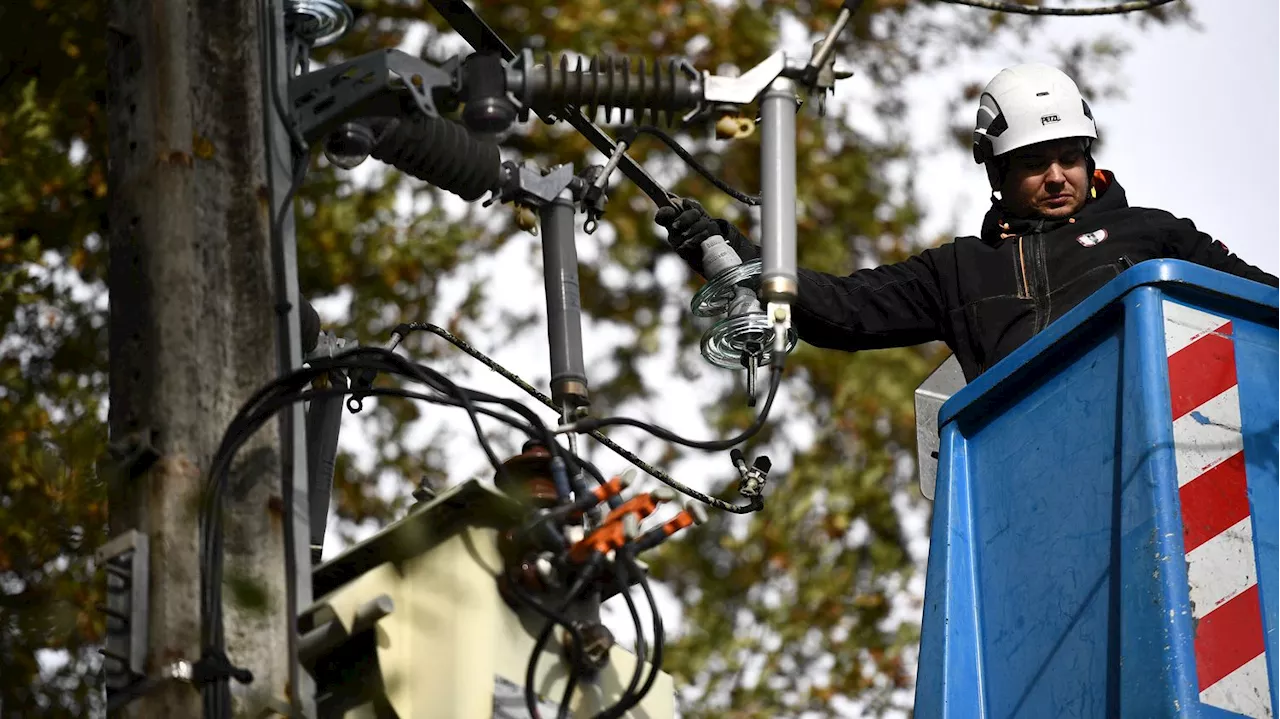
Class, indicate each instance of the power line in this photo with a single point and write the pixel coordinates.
(1117, 9)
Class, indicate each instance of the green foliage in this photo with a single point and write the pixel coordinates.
(52, 351)
(787, 611)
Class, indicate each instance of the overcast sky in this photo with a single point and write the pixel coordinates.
(1199, 133)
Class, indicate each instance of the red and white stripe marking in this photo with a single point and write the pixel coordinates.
(1217, 526)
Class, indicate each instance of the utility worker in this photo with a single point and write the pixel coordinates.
(1058, 229)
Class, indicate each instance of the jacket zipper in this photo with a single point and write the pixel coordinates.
(1022, 262)
(1036, 289)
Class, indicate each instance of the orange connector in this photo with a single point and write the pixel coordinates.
(602, 493)
(641, 505)
(607, 537)
(692, 514)
(622, 525)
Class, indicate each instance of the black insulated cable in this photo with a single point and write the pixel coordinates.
(753, 506)
(590, 424)
(1116, 9)
(629, 134)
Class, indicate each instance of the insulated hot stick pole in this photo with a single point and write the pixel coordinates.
(564, 305)
(555, 194)
(778, 282)
(564, 312)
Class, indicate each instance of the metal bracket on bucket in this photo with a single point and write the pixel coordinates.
(932, 393)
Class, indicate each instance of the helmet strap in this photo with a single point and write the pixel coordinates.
(997, 168)
(1091, 192)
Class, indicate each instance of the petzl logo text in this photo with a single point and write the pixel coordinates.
(1046, 119)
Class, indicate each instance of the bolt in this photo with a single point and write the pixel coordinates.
(526, 219)
(424, 492)
(546, 571)
(630, 526)
(697, 511)
(180, 670)
(597, 640)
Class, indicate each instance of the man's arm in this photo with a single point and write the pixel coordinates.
(896, 305)
(1190, 244)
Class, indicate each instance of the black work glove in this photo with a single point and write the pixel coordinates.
(688, 225)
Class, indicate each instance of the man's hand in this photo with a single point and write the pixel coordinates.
(688, 225)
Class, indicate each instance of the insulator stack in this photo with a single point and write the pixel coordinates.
(663, 89)
(439, 151)
(319, 22)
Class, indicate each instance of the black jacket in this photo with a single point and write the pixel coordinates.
(985, 296)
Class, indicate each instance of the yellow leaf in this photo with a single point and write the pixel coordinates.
(868, 601)
(97, 181)
(202, 147)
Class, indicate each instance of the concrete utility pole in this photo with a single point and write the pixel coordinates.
(192, 294)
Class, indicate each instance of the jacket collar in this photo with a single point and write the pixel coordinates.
(1106, 194)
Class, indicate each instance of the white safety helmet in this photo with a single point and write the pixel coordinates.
(1027, 104)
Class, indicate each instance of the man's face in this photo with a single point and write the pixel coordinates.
(1048, 179)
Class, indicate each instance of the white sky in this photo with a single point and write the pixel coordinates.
(1199, 136)
(1196, 135)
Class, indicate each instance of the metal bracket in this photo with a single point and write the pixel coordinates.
(528, 185)
(932, 393)
(744, 89)
(127, 561)
(329, 345)
(752, 477)
(135, 454)
(369, 85)
(324, 424)
(329, 633)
